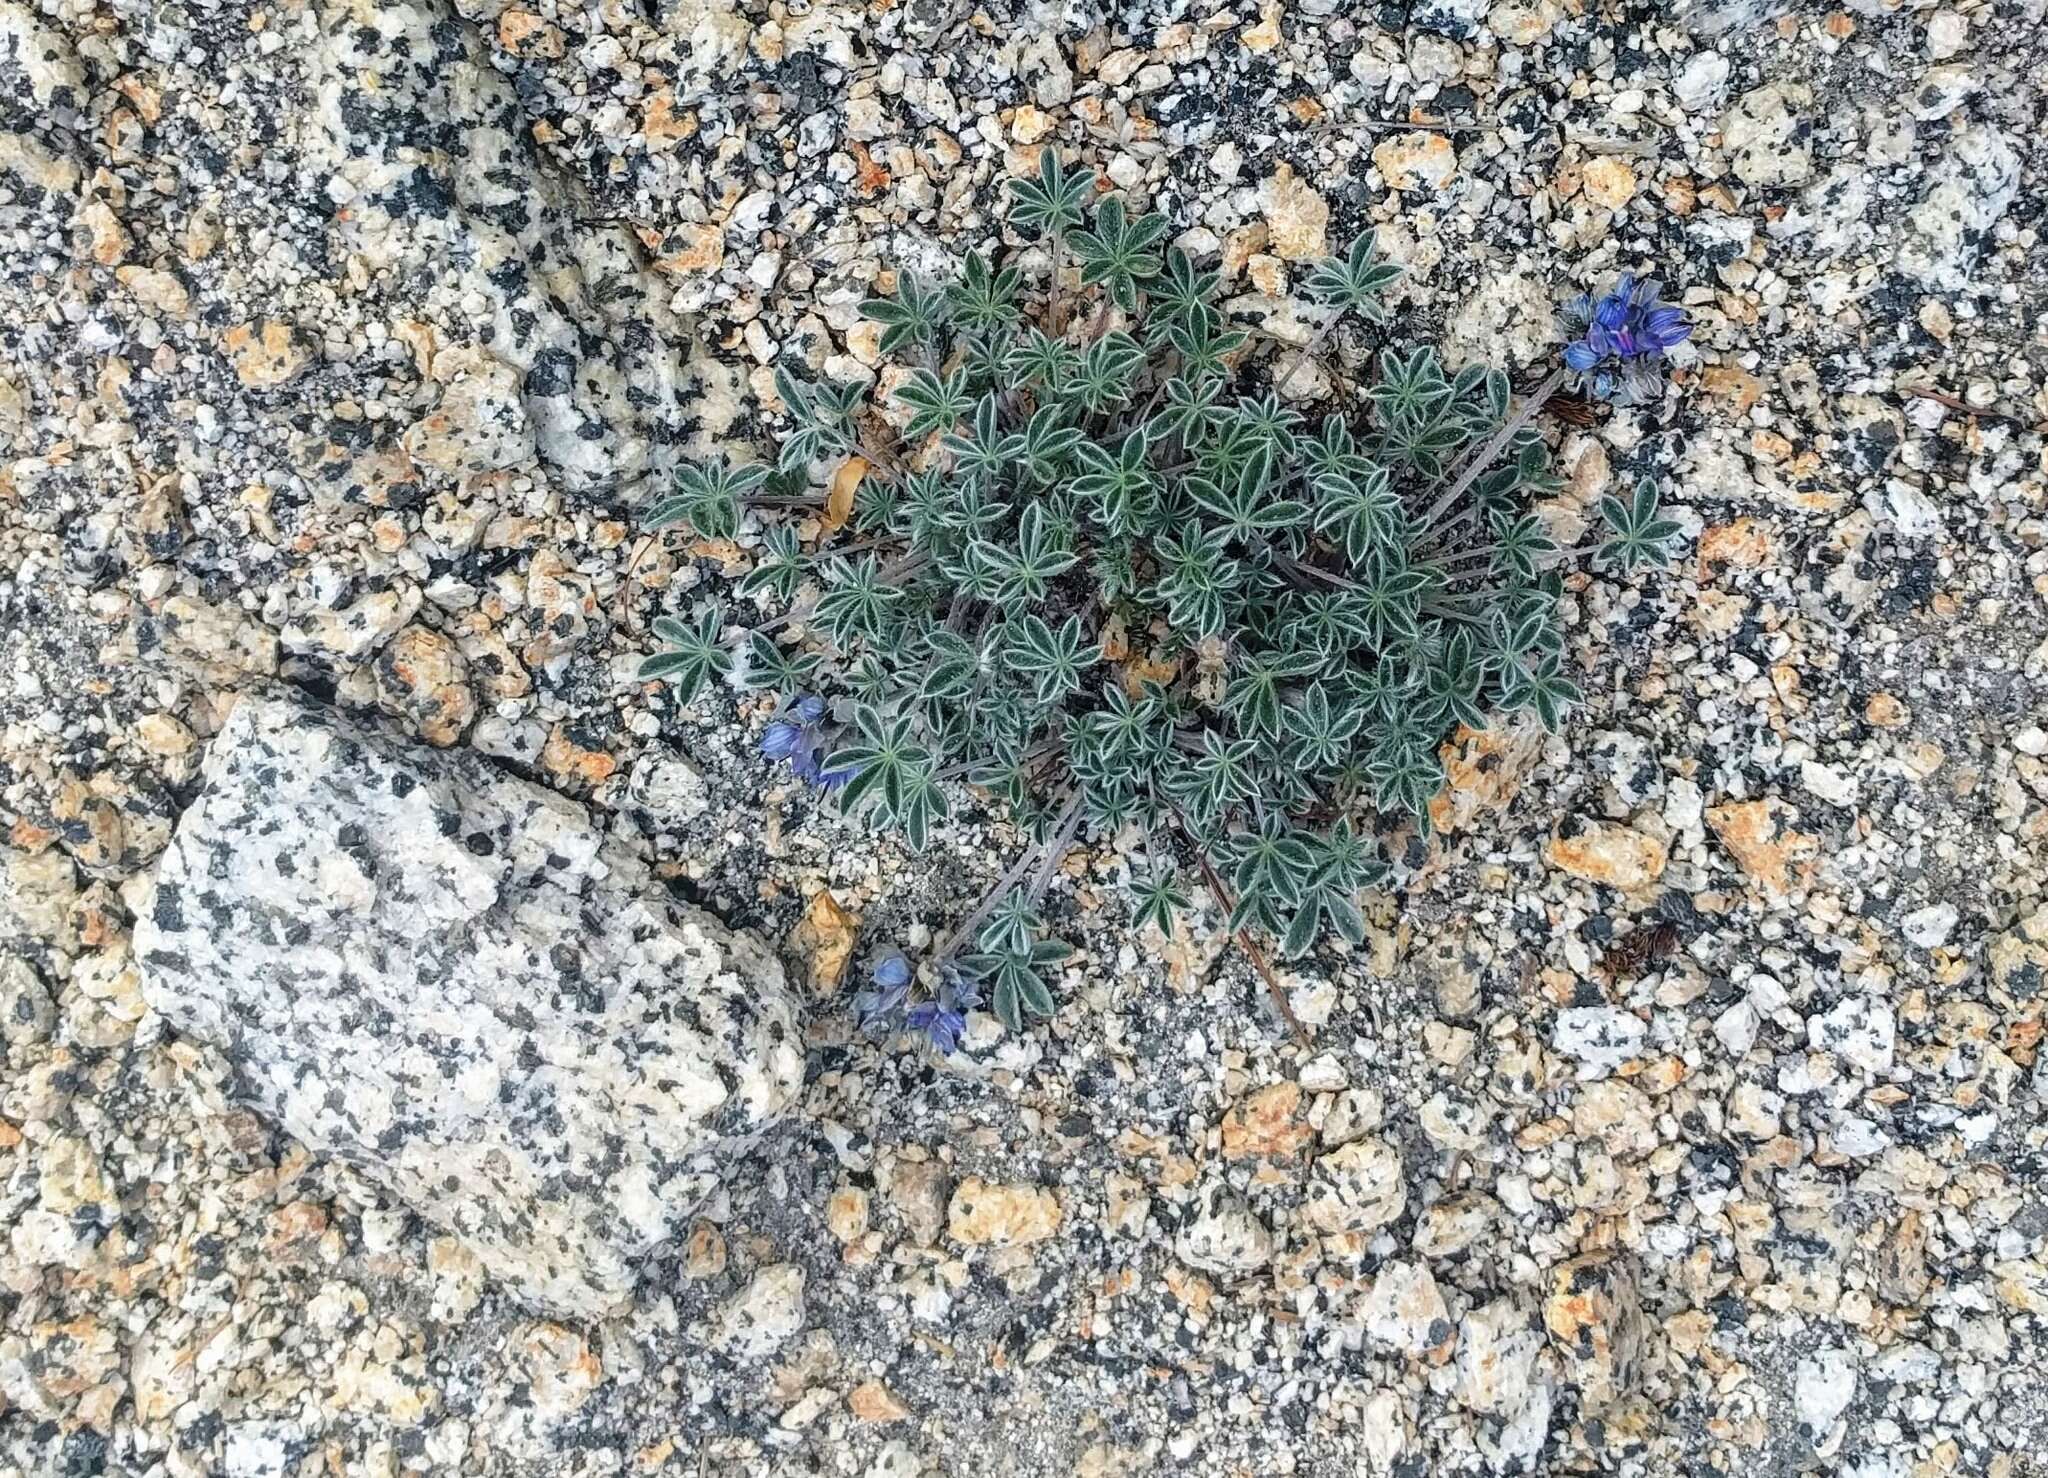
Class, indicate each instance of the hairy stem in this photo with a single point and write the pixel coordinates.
(964, 930)
(1250, 946)
(1056, 849)
(1309, 351)
(1480, 460)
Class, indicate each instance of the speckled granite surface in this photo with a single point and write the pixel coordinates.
(448, 977)
(333, 337)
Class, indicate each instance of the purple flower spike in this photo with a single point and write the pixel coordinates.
(782, 740)
(889, 985)
(1614, 343)
(796, 735)
(939, 1022)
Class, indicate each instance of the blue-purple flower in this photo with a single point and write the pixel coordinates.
(939, 1021)
(1617, 342)
(797, 735)
(888, 986)
(944, 1018)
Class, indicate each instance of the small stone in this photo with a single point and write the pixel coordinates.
(1902, 1277)
(667, 788)
(1416, 161)
(1498, 1346)
(1598, 1038)
(1942, 90)
(1353, 1113)
(1356, 1187)
(1702, 82)
(1770, 853)
(1931, 926)
(26, 1011)
(267, 355)
(1947, 34)
(704, 1255)
(846, 1214)
(1822, 1388)
(217, 642)
(985, 1215)
(1297, 218)
(1266, 1125)
(1266, 34)
(1223, 1236)
(1406, 1312)
(1966, 197)
(1609, 183)
(353, 631)
(763, 1316)
(1456, 1224)
(158, 290)
(825, 936)
(872, 1401)
(1771, 144)
(1595, 1319)
(1028, 124)
(423, 679)
(1859, 1030)
(917, 1190)
(561, 1368)
(458, 1276)
(480, 424)
(1619, 856)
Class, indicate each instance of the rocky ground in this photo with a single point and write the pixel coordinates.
(341, 341)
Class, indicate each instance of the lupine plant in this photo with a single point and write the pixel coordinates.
(1106, 573)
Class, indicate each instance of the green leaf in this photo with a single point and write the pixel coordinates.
(1051, 204)
(697, 654)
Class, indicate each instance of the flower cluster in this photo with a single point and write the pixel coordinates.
(939, 1019)
(1104, 571)
(797, 735)
(1617, 341)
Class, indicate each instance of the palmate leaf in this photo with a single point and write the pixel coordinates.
(1269, 868)
(1052, 658)
(1254, 696)
(860, 601)
(1158, 900)
(696, 654)
(789, 670)
(984, 299)
(1243, 506)
(1041, 554)
(891, 773)
(1051, 204)
(778, 567)
(937, 402)
(985, 449)
(1118, 252)
(1105, 374)
(1520, 544)
(706, 498)
(1354, 281)
(1181, 295)
(1115, 484)
(1344, 863)
(1544, 689)
(1639, 537)
(822, 416)
(913, 316)
(1196, 573)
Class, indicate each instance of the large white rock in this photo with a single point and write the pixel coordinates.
(450, 978)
